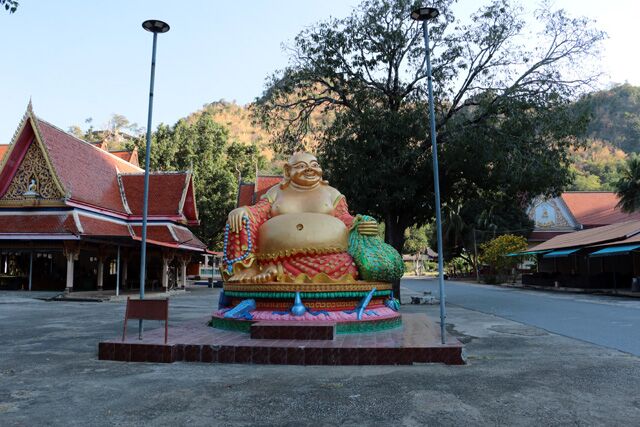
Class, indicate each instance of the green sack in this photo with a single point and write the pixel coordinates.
(376, 261)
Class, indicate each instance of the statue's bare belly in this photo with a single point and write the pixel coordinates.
(311, 233)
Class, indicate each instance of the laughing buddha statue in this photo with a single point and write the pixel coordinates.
(301, 231)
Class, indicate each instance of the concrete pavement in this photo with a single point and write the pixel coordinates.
(604, 320)
(516, 375)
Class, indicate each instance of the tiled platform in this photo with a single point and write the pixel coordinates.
(293, 331)
(417, 341)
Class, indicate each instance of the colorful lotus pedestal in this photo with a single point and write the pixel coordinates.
(353, 307)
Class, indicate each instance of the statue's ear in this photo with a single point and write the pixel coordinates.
(287, 170)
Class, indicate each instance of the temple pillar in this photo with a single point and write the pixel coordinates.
(69, 284)
(183, 273)
(118, 272)
(184, 260)
(100, 279)
(125, 256)
(102, 257)
(125, 272)
(71, 252)
(167, 257)
(165, 273)
(30, 269)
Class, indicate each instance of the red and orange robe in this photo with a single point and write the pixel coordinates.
(300, 267)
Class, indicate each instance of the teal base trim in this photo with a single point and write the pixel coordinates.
(231, 324)
(356, 327)
(368, 326)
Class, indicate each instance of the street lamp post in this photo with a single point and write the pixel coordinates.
(154, 26)
(424, 14)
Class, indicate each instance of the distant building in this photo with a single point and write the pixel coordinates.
(606, 257)
(573, 211)
(71, 215)
(250, 192)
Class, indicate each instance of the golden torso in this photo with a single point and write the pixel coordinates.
(302, 222)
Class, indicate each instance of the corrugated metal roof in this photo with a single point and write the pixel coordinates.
(592, 236)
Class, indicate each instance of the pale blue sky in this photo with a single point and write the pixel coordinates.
(80, 58)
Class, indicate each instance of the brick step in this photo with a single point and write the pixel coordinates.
(319, 330)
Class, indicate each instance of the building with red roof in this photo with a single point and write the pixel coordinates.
(571, 237)
(250, 192)
(573, 211)
(71, 214)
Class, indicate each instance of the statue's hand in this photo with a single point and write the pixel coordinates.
(368, 228)
(235, 218)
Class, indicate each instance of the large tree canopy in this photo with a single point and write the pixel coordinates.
(503, 125)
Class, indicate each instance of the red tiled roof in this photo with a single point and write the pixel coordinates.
(3, 149)
(90, 174)
(265, 182)
(245, 194)
(186, 237)
(161, 235)
(249, 193)
(595, 208)
(165, 192)
(38, 224)
(128, 156)
(92, 226)
(189, 207)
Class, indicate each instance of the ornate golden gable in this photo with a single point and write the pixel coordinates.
(33, 179)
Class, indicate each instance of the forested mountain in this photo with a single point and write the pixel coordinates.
(612, 134)
(616, 117)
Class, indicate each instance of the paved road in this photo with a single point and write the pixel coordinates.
(613, 322)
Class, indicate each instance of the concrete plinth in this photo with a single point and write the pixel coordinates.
(417, 341)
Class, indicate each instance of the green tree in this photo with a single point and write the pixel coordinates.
(494, 253)
(246, 159)
(628, 186)
(596, 166)
(200, 146)
(416, 242)
(502, 118)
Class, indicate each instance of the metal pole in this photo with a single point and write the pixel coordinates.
(118, 273)
(475, 251)
(31, 269)
(145, 208)
(436, 184)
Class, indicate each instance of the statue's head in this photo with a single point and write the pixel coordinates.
(303, 170)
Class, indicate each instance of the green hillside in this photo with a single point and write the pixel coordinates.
(612, 134)
(616, 117)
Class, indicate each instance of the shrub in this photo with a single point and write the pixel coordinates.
(494, 253)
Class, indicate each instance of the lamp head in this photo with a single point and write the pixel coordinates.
(424, 13)
(155, 26)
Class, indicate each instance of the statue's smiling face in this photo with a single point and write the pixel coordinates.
(304, 170)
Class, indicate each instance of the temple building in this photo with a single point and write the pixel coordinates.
(249, 193)
(573, 211)
(581, 239)
(71, 215)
